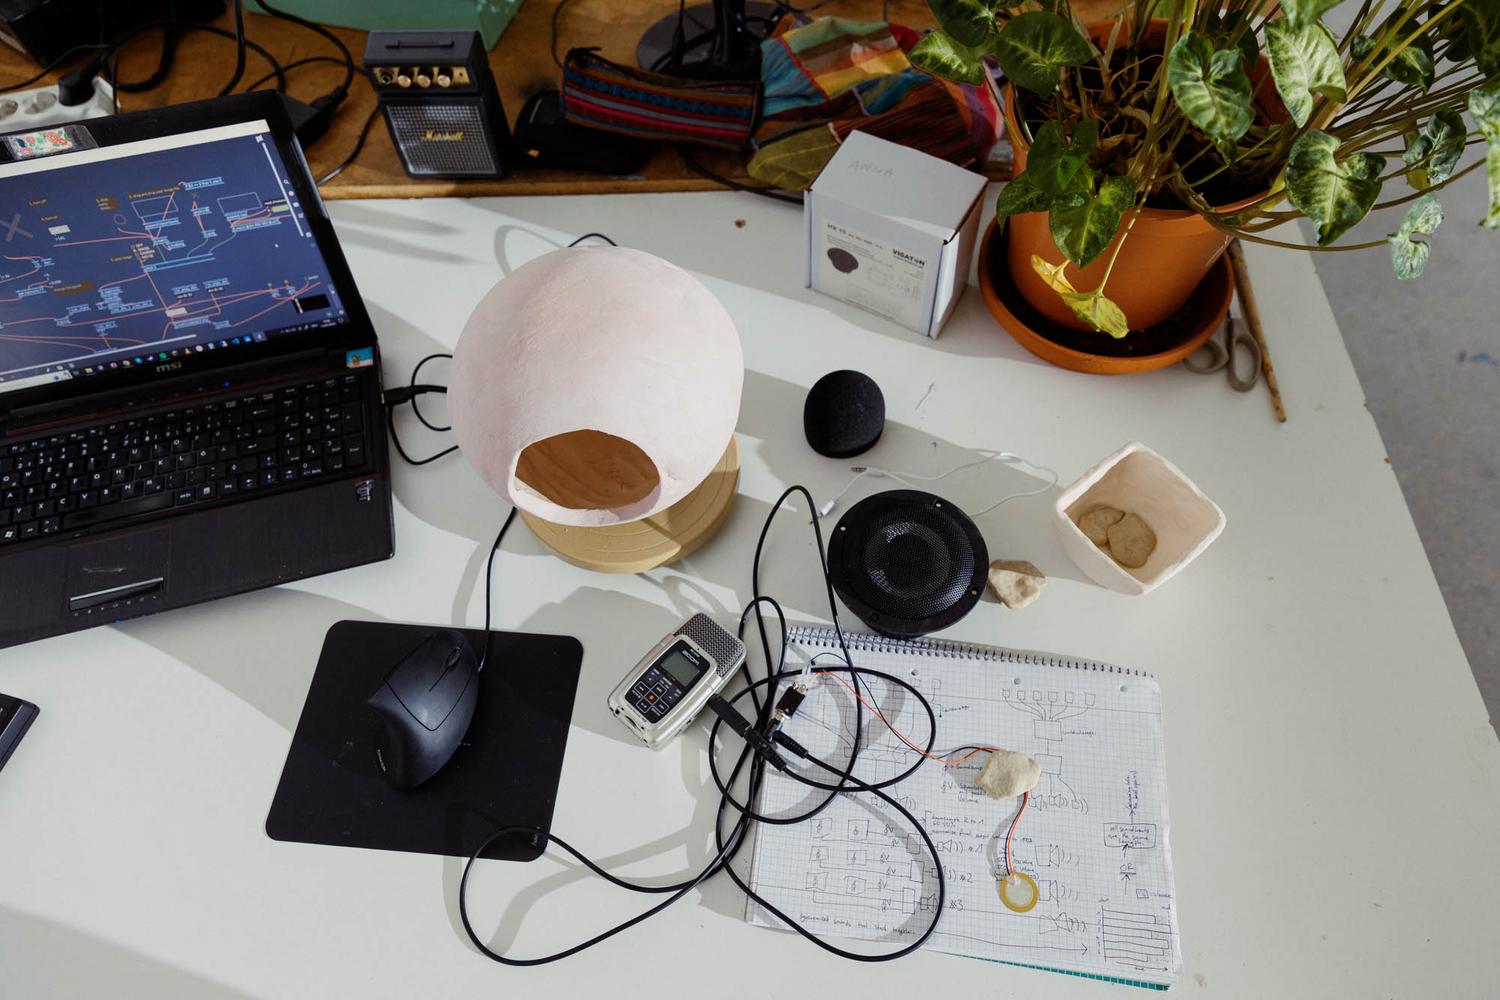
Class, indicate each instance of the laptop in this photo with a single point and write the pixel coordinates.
(189, 382)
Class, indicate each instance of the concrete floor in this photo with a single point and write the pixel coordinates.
(1428, 354)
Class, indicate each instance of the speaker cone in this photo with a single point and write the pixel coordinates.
(907, 563)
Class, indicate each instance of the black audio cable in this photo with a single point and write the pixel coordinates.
(762, 745)
(323, 108)
(762, 741)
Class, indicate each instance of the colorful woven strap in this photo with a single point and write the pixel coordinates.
(811, 65)
(605, 95)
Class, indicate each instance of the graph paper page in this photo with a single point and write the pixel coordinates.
(1093, 836)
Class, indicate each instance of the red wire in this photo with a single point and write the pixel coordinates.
(1010, 868)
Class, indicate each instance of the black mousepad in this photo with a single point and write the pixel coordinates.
(505, 772)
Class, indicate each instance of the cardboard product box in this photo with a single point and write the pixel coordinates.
(891, 229)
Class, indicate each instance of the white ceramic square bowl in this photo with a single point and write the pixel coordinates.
(1138, 480)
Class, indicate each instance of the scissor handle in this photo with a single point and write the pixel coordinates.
(1238, 338)
(1219, 357)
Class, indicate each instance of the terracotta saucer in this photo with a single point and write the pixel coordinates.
(1165, 344)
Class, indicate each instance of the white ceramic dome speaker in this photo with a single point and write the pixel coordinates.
(597, 389)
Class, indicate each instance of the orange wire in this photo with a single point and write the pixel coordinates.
(899, 735)
(1010, 867)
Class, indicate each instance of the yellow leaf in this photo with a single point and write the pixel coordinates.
(1052, 274)
(1097, 311)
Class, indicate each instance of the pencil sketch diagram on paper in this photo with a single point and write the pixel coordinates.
(1093, 837)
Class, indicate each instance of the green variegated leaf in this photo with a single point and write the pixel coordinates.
(1054, 162)
(1434, 151)
(969, 22)
(1335, 194)
(940, 54)
(1021, 195)
(1085, 223)
(1304, 61)
(1033, 48)
(1484, 108)
(1409, 255)
(1413, 66)
(1210, 87)
(1305, 12)
(1492, 172)
(1097, 311)
(1221, 28)
(1481, 35)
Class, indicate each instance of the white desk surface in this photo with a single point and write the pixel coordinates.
(1334, 781)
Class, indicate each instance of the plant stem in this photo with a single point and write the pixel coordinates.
(1413, 196)
(1422, 29)
(1299, 246)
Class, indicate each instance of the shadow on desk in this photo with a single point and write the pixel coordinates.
(71, 963)
(272, 673)
(733, 244)
(449, 495)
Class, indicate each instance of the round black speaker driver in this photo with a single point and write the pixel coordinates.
(907, 563)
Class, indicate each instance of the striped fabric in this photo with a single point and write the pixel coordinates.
(806, 67)
(930, 119)
(954, 122)
(604, 95)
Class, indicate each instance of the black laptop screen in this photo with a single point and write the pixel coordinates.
(140, 253)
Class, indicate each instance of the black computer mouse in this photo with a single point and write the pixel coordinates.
(425, 705)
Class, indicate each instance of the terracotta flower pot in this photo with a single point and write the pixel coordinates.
(1168, 253)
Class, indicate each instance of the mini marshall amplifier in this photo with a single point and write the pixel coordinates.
(440, 101)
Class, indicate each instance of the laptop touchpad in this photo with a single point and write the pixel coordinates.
(126, 572)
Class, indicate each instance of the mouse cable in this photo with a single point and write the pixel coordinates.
(727, 847)
(489, 569)
(763, 737)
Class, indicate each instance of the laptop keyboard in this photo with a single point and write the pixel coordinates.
(210, 452)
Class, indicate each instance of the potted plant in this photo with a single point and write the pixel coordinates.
(1145, 144)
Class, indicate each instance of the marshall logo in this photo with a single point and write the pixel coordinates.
(433, 135)
(364, 490)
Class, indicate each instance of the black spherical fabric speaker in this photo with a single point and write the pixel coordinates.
(907, 563)
(844, 414)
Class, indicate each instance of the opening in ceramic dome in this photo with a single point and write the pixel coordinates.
(588, 470)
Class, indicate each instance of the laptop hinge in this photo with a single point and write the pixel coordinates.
(130, 399)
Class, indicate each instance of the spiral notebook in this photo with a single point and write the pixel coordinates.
(1094, 835)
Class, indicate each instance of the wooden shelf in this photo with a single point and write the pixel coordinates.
(522, 63)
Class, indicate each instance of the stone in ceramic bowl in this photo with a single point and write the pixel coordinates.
(1138, 480)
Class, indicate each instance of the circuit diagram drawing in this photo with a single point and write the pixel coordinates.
(1092, 838)
(1052, 714)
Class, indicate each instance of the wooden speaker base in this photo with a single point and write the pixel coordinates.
(662, 538)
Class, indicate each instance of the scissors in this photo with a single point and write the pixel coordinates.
(1222, 357)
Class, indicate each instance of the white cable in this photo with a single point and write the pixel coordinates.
(911, 479)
